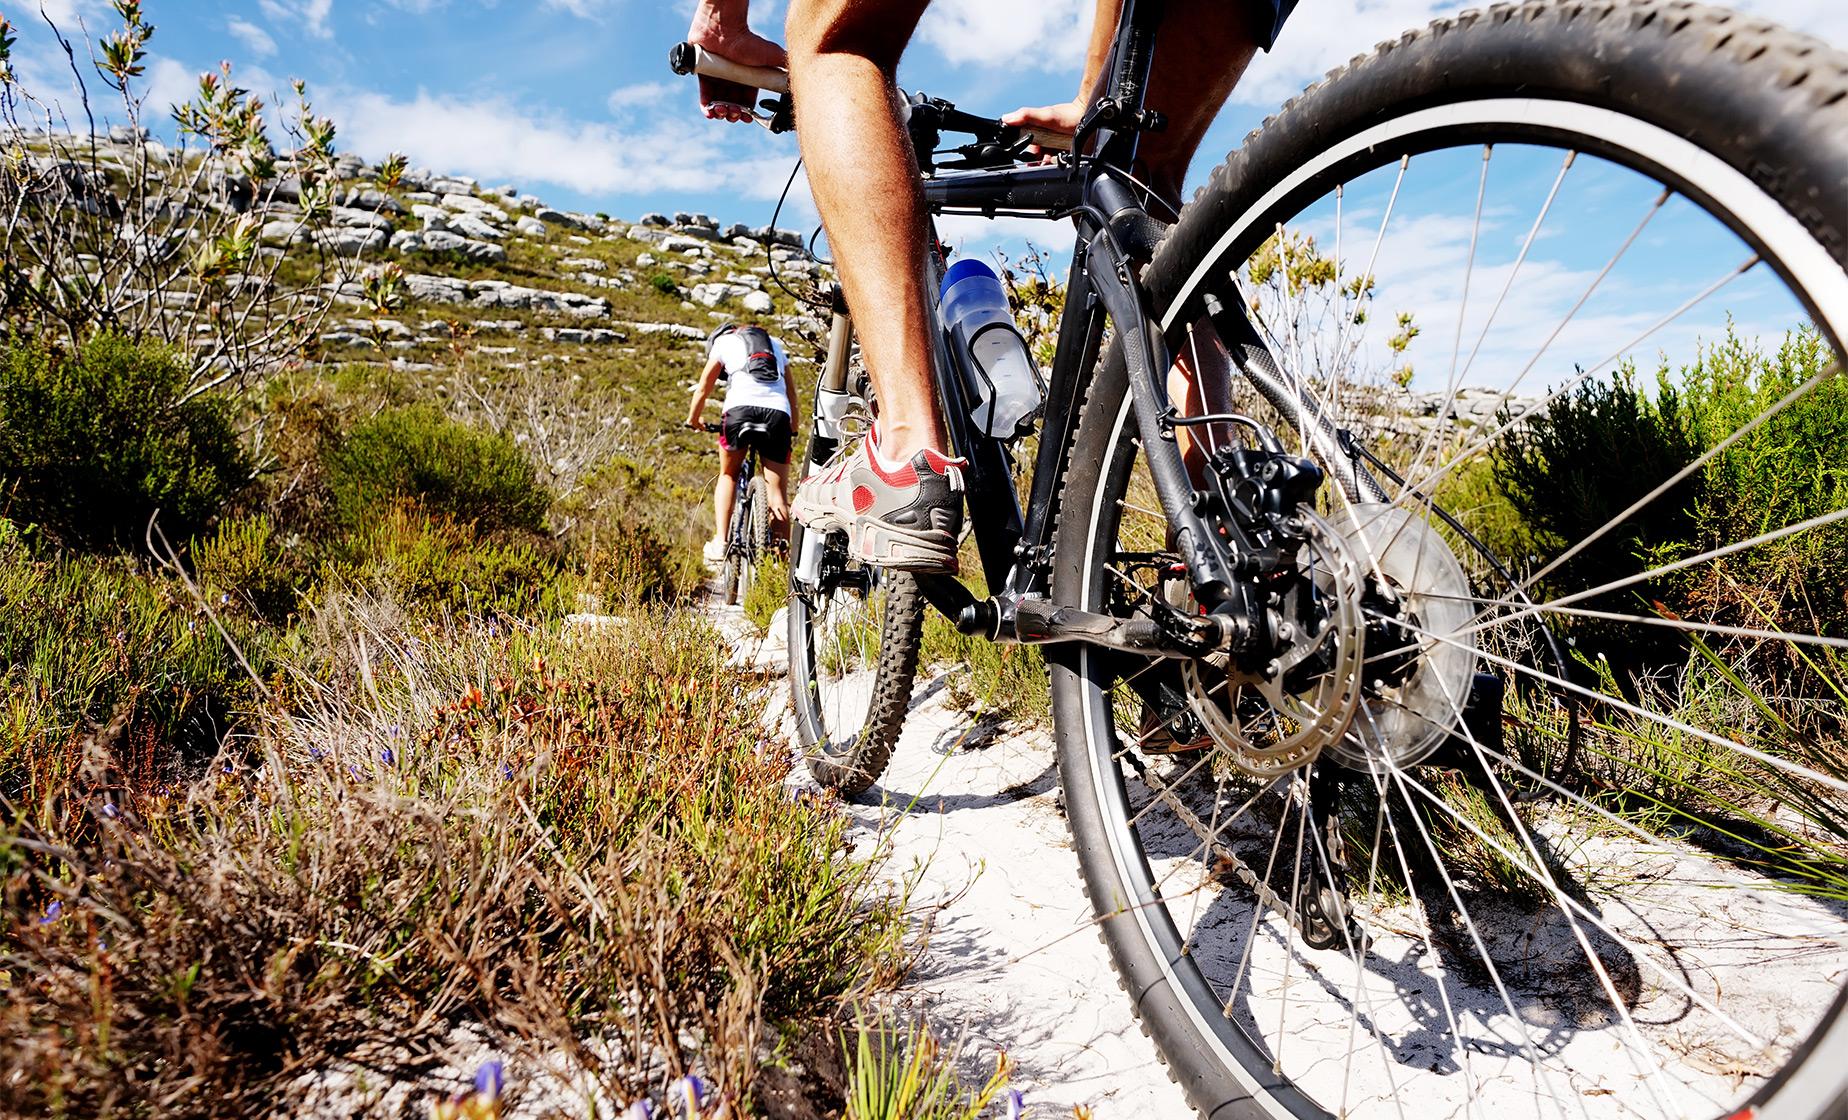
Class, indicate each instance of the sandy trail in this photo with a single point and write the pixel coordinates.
(1009, 955)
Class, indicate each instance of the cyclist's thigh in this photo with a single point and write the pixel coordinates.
(873, 29)
(1202, 52)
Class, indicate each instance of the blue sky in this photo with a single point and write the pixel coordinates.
(571, 100)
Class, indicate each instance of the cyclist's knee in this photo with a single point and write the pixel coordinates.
(877, 30)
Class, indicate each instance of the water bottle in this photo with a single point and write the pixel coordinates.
(1002, 377)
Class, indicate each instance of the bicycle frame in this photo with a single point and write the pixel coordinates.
(1116, 235)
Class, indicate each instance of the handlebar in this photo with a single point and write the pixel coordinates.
(685, 59)
(711, 427)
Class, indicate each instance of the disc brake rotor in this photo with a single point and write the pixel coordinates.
(1421, 657)
(1265, 724)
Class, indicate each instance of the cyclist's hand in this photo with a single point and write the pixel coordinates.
(722, 100)
(1063, 117)
(696, 424)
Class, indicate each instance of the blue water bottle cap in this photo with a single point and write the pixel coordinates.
(965, 268)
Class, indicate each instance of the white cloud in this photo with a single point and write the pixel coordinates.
(313, 15)
(623, 99)
(973, 236)
(1047, 35)
(256, 40)
(494, 138)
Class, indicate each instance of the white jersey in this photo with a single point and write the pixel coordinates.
(741, 389)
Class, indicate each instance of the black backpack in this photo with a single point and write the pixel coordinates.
(761, 360)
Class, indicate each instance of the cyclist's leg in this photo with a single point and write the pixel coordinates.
(725, 490)
(1202, 52)
(842, 58)
(776, 488)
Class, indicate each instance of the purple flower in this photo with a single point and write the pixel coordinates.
(228, 769)
(315, 753)
(1015, 1103)
(641, 1110)
(490, 1079)
(385, 756)
(507, 771)
(396, 731)
(52, 913)
(687, 1096)
(110, 811)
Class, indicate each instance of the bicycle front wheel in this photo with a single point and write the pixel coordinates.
(854, 636)
(1580, 850)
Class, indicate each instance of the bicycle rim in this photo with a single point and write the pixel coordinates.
(1649, 922)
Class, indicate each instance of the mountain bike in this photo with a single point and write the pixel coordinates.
(750, 536)
(1387, 802)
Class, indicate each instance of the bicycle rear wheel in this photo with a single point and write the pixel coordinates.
(1630, 904)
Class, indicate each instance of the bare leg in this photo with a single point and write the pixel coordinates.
(776, 488)
(1203, 50)
(725, 491)
(842, 58)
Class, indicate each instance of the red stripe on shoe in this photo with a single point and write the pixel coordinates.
(906, 475)
(862, 499)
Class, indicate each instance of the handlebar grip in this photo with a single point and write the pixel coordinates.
(711, 427)
(685, 58)
(1047, 141)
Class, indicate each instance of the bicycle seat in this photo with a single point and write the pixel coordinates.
(756, 428)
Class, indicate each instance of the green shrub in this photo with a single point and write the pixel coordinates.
(663, 283)
(449, 468)
(244, 565)
(435, 564)
(99, 645)
(93, 443)
(1608, 444)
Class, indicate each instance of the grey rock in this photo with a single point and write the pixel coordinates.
(772, 236)
(470, 205)
(436, 289)
(390, 327)
(679, 244)
(737, 229)
(590, 264)
(424, 197)
(678, 330)
(344, 338)
(701, 232)
(454, 185)
(369, 198)
(439, 241)
(353, 240)
(407, 241)
(598, 336)
(469, 225)
(569, 221)
(647, 235)
(530, 202)
(122, 134)
(531, 227)
(361, 219)
(645, 260)
(349, 166)
(284, 231)
(433, 217)
(655, 219)
(758, 303)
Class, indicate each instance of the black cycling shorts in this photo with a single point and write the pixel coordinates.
(1271, 14)
(754, 427)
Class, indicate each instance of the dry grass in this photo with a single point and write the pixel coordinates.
(583, 847)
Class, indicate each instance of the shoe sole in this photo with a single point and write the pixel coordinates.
(883, 545)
